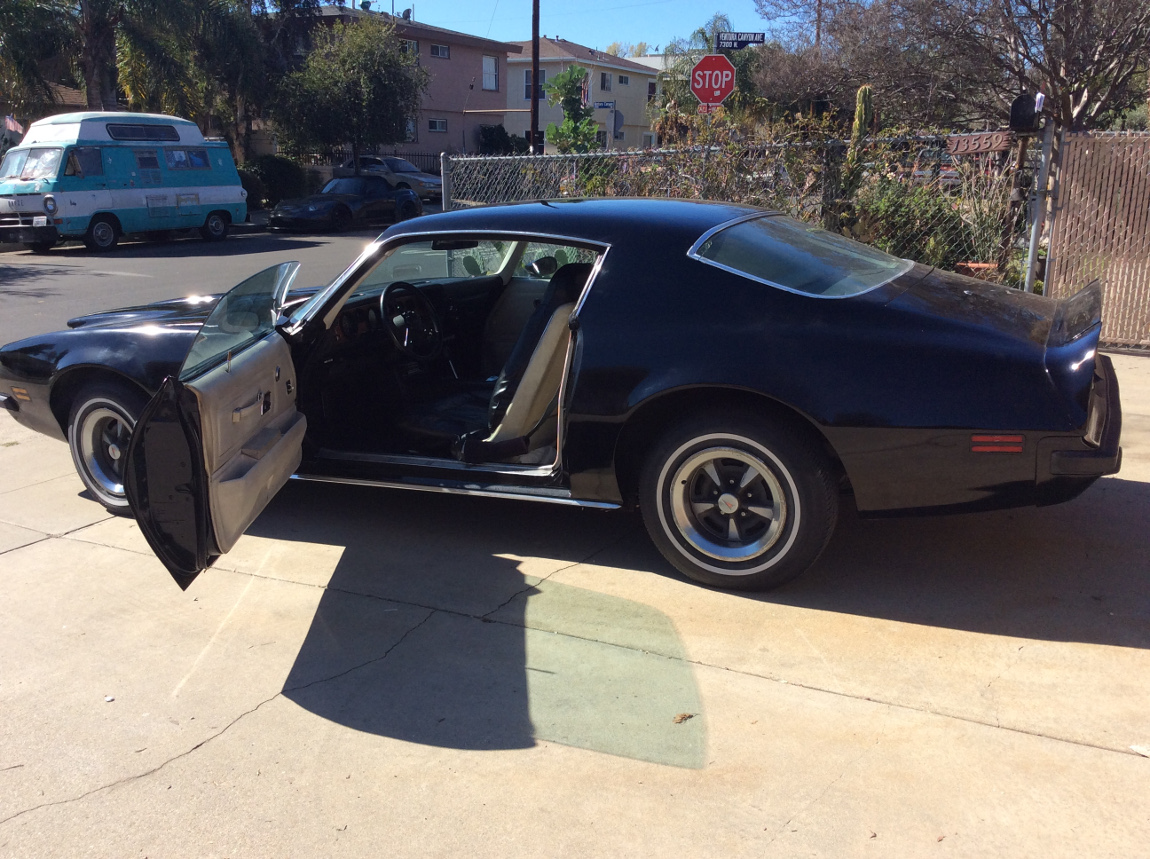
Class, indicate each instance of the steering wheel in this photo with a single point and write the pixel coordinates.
(411, 320)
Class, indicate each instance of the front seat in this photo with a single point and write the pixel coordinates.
(527, 387)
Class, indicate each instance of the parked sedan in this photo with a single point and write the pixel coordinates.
(402, 173)
(729, 371)
(346, 202)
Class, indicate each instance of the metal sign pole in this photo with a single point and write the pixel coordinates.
(1040, 195)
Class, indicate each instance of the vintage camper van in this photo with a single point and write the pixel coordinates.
(99, 176)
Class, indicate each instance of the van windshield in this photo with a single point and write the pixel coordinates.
(31, 164)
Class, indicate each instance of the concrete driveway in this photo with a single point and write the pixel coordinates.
(380, 673)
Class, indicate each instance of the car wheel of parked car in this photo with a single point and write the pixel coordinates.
(407, 211)
(736, 503)
(39, 247)
(103, 234)
(215, 228)
(99, 428)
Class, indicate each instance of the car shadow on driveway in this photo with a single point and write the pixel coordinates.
(1074, 572)
(437, 627)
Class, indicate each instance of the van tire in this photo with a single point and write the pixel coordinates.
(103, 234)
(39, 247)
(215, 228)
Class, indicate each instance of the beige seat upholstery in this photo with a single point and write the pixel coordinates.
(505, 322)
(529, 407)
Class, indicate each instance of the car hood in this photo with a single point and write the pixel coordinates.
(188, 312)
(430, 178)
(318, 199)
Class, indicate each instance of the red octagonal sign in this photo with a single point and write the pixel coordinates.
(712, 79)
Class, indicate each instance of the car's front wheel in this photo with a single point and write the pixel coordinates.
(737, 503)
(99, 428)
(103, 234)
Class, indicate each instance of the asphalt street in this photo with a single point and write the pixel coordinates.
(379, 673)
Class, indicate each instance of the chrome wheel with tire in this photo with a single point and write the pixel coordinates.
(100, 427)
(103, 234)
(739, 505)
(215, 228)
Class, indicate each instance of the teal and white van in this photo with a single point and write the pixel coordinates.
(98, 176)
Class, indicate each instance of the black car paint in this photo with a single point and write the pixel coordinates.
(895, 381)
(361, 208)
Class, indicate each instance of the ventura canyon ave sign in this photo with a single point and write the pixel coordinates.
(712, 79)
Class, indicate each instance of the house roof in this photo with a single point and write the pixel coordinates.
(415, 30)
(561, 49)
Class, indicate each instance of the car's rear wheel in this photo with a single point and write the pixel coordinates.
(215, 228)
(103, 234)
(99, 428)
(738, 503)
(39, 247)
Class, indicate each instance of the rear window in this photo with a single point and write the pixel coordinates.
(798, 257)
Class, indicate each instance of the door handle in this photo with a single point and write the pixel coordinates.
(262, 404)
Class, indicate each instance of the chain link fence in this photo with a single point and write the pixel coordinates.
(907, 196)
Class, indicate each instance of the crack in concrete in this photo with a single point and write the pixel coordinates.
(702, 664)
(556, 572)
(222, 731)
(846, 768)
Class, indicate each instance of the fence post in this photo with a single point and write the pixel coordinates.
(1040, 194)
(445, 177)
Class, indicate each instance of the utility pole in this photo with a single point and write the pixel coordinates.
(534, 76)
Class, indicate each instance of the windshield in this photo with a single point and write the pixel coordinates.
(398, 165)
(783, 252)
(343, 186)
(31, 164)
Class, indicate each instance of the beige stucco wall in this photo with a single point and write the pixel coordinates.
(630, 99)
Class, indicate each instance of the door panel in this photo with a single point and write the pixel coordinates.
(218, 441)
(252, 434)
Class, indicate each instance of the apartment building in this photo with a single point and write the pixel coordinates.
(620, 90)
(468, 85)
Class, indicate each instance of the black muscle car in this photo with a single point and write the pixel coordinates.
(728, 370)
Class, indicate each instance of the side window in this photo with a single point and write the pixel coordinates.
(84, 161)
(377, 187)
(541, 259)
(146, 159)
(187, 159)
(243, 316)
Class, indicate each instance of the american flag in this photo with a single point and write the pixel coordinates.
(10, 124)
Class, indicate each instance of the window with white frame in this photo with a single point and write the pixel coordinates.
(437, 125)
(412, 135)
(527, 84)
(624, 80)
(441, 51)
(605, 81)
(410, 46)
(652, 90)
(648, 140)
(490, 73)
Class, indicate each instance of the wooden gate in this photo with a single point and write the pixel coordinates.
(1101, 229)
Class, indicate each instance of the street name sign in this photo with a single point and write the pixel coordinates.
(738, 41)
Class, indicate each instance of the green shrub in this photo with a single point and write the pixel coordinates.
(911, 220)
(282, 178)
(255, 188)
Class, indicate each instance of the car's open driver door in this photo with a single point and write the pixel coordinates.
(221, 438)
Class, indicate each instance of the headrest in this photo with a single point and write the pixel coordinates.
(569, 280)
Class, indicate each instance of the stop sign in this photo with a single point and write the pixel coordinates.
(712, 79)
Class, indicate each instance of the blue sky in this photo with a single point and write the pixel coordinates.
(595, 23)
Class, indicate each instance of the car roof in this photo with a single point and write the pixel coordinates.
(603, 220)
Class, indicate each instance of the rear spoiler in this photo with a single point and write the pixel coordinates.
(1076, 315)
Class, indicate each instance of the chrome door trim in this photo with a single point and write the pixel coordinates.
(565, 500)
